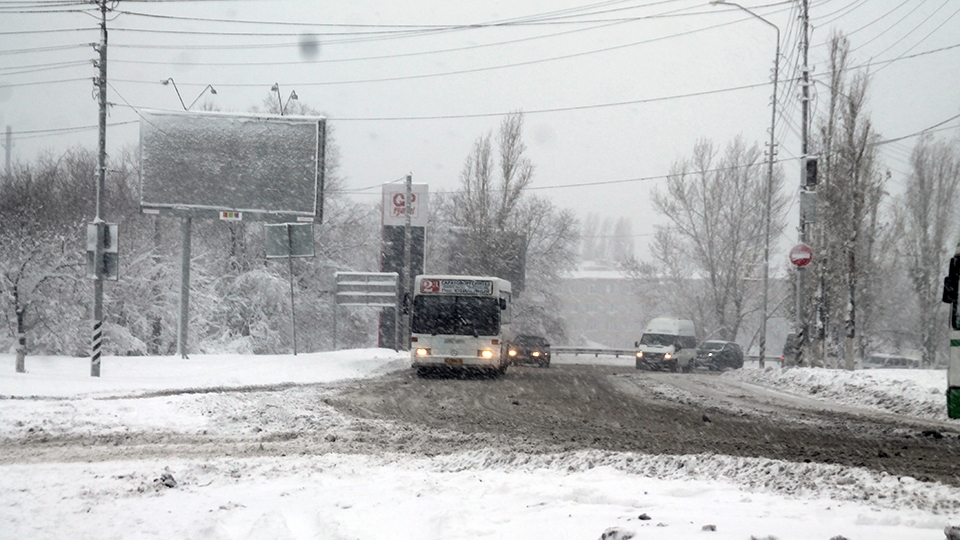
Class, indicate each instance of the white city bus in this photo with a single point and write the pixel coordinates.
(460, 322)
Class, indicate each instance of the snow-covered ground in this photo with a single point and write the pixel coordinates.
(491, 493)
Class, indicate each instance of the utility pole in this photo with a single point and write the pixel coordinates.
(801, 318)
(407, 239)
(101, 182)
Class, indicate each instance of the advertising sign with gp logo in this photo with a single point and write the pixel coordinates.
(394, 205)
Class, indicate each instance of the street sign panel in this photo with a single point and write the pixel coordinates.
(394, 204)
(376, 289)
(801, 255)
(289, 240)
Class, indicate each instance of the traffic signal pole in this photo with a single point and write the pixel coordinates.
(803, 338)
(101, 182)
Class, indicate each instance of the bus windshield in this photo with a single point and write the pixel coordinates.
(456, 315)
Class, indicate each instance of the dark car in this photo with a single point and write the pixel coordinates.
(527, 349)
(719, 355)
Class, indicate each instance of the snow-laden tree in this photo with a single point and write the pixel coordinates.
(851, 187)
(929, 218)
(493, 226)
(43, 208)
(708, 258)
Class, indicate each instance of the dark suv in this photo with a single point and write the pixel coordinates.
(719, 355)
(529, 349)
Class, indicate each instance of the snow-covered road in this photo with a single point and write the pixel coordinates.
(234, 490)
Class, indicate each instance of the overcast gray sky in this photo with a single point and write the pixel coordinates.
(613, 91)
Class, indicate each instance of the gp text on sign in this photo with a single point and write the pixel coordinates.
(394, 205)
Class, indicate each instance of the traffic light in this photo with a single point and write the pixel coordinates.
(109, 264)
(810, 172)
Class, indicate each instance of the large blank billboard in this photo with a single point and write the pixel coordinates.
(201, 163)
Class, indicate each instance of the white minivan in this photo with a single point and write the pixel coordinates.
(668, 343)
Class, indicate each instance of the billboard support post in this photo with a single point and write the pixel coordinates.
(293, 309)
(185, 230)
(289, 240)
(232, 167)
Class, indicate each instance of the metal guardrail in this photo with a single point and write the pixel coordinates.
(576, 351)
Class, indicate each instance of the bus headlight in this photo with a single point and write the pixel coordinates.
(486, 354)
(536, 354)
(423, 352)
(512, 352)
(667, 356)
(639, 354)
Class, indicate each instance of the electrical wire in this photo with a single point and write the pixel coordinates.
(46, 49)
(891, 27)
(375, 57)
(38, 83)
(924, 38)
(481, 69)
(40, 67)
(47, 31)
(917, 27)
(501, 22)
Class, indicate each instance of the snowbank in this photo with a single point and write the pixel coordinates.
(490, 493)
(910, 392)
(58, 376)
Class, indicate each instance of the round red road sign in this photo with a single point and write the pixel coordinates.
(801, 255)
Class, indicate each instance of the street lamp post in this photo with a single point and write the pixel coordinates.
(769, 191)
(292, 97)
(185, 107)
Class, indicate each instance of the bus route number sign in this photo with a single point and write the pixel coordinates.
(456, 286)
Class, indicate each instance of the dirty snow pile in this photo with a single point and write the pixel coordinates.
(490, 493)
(909, 392)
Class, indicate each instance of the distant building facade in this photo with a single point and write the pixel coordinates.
(600, 308)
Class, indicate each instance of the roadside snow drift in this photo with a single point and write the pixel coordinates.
(493, 493)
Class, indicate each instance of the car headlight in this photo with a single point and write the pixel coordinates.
(423, 352)
(536, 353)
(512, 352)
(667, 356)
(486, 353)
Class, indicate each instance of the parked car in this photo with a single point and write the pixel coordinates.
(719, 355)
(890, 361)
(529, 349)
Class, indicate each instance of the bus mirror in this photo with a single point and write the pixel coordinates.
(951, 282)
(503, 303)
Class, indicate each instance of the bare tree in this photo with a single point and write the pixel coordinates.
(713, 245)
(930, 220)
(850, 191)
(491, 226)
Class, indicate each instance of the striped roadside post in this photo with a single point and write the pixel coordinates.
(95, 353)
